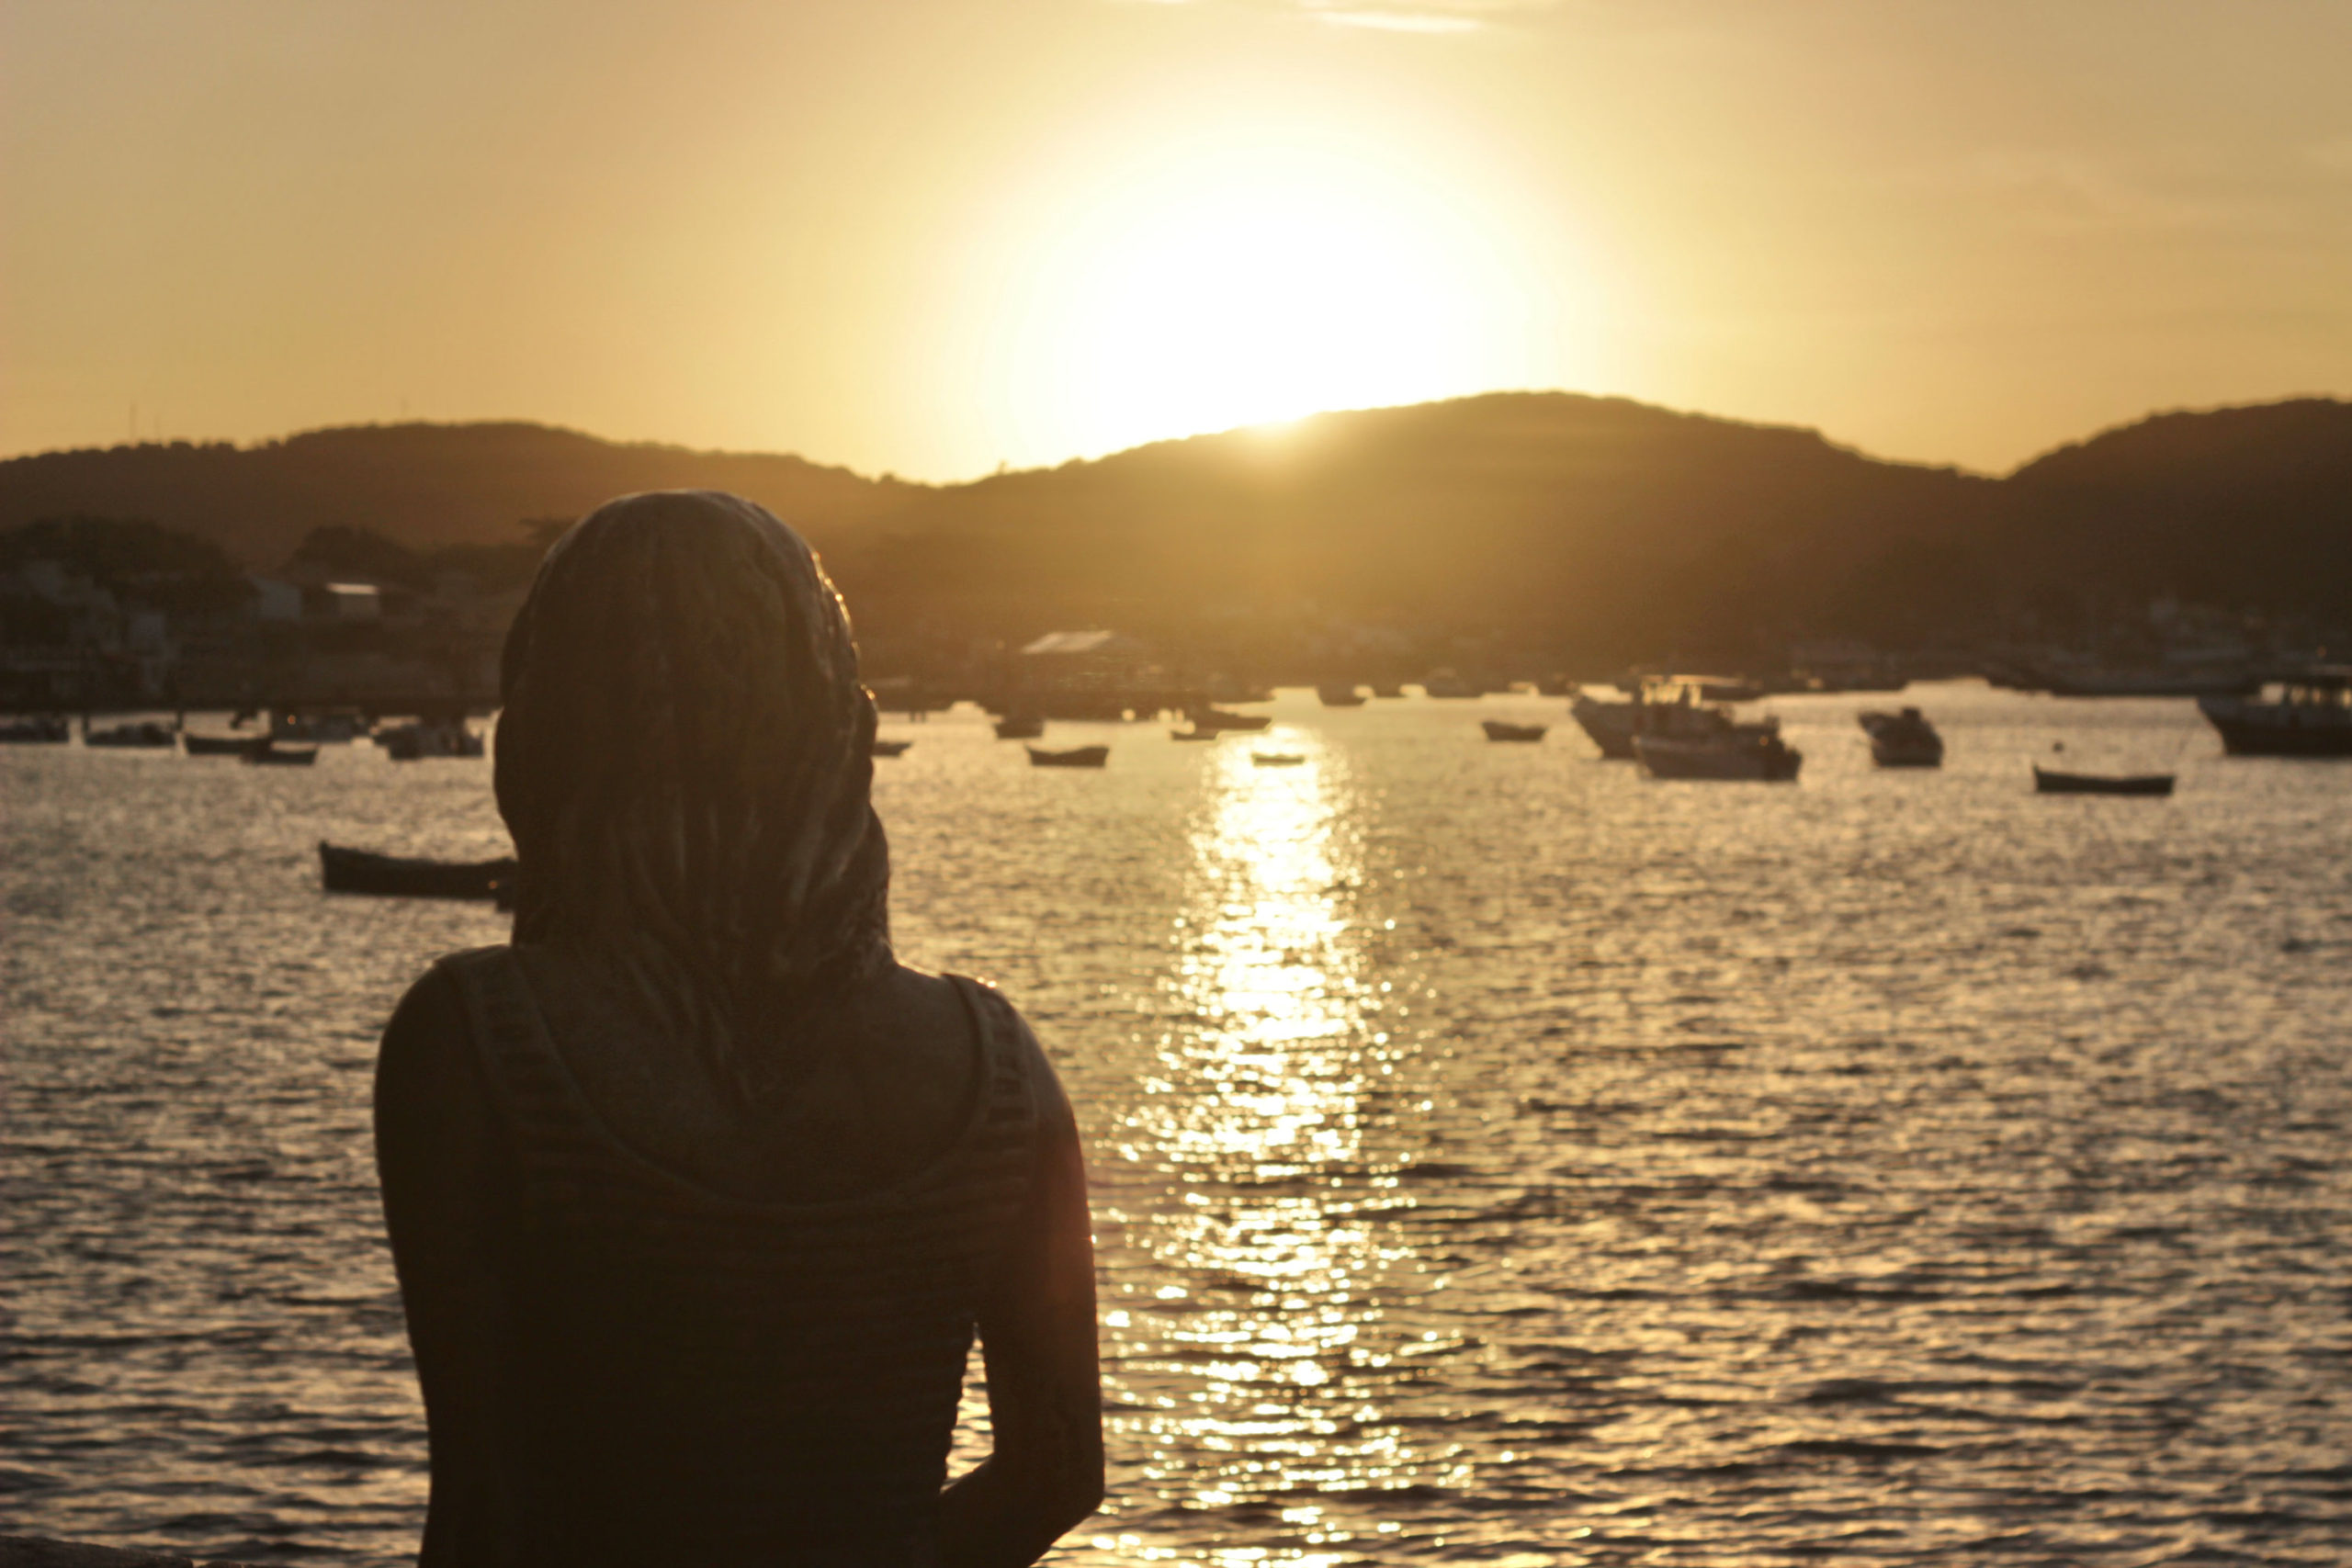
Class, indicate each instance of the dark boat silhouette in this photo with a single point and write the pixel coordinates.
(1193, 734)
(36, 732)
(1498, 731)
(223, 745)
(1020, 727)
(1748, 752)
(270, 754)
(1223, 718)
(1077, 757)
(2049, 782)
(2311, 717)
(1276, 759)
(891, 748)
(1339, 694)
(343, 870)
(146, 734)
(1904, 739)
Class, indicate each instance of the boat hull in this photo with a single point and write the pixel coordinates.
(1521, 734)
(223, 745)
(1079, 757)
(1749, 758)
(343, 870)
(2048, 783)
(2243, 735)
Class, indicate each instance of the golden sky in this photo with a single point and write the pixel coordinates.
(932, 236)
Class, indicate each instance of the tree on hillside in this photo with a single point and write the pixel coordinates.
(132, 558)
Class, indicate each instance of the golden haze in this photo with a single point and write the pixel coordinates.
(933, 237)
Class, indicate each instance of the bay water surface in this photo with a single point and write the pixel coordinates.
(1496, 1156)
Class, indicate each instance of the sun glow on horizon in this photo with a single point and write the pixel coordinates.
(1252, 282)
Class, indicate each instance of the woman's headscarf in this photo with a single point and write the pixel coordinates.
(684, 761)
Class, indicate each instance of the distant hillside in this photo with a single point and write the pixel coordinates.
(1598, 527)
(1581, 522)
(424, 485)
(2242, 506)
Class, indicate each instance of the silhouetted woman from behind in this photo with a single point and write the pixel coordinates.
(697, 1195)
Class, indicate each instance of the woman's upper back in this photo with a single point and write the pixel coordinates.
(733, 1322)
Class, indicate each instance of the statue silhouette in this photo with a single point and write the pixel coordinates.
(699, 1196)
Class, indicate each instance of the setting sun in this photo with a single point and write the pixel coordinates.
(1248, 283)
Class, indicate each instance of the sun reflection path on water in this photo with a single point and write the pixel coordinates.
(1248, 1360)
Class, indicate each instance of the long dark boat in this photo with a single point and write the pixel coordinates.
(343, 870)
(2046, 781)
(223, 745)
(271, 754)
(1077, 757)
(1020, 727)
(36, 731)
(1223, 718)
(1498, 731)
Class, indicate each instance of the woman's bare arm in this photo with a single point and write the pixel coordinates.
(436, 1158)
(1045, 1386)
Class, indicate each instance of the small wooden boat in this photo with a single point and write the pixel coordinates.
(1387, 689)
(1338, 695)
(2046, 781)
(362, 871)
(1223, 718)
(223, 745)
(1277, 759)
(1020, 727)
(1077, 757)
(1194, 734)
(270, 753)
(891, 748)
(36, 732)
(1498, 731)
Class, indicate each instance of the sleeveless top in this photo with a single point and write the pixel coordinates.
(710, 1379)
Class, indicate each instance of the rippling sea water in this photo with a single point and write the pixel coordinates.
(1498, 1157)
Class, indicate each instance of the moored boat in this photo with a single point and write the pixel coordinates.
(1498, 731)
(1212, 717)
(1904, 739)
(223, 745)
(1193, 734)
(2309, 715)
(1450, 684)
(891, 748)
(145, 735)
(1277, 759)
(1387, 689)
(1747, 751)
(2047, 782)
(1339, 694)
(1674, 707)
(36, 731)
(426, 737)
(343, 870)
(1076, 757)
(1020, 727)
(269, 753)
